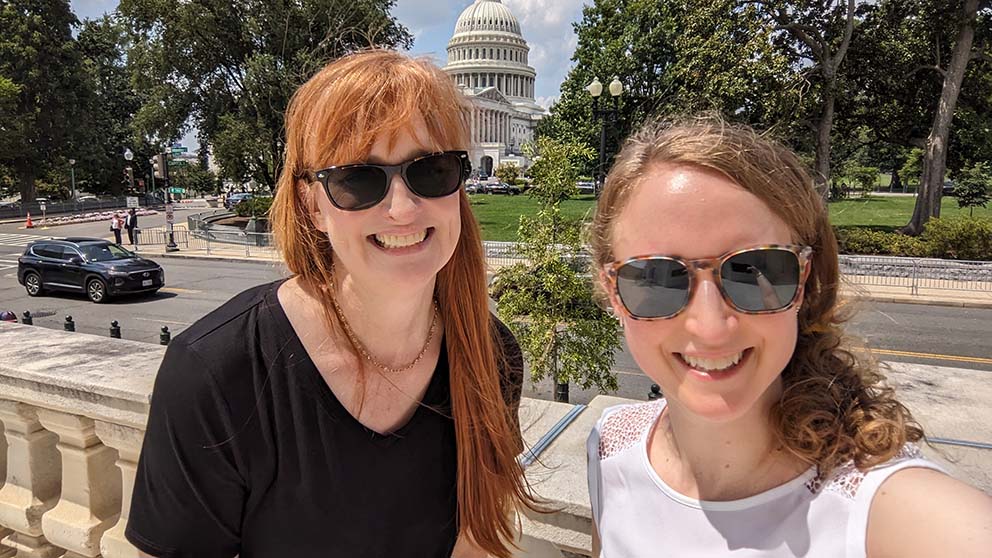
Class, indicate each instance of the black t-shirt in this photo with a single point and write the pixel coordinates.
(248, 452)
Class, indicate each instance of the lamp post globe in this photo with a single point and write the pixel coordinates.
(595, 88)
(128, 155)
(616, 87)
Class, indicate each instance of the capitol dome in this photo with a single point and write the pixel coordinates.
(487, 15)
(488, 50)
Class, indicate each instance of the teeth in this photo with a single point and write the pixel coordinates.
(712, 364)
(394, 241)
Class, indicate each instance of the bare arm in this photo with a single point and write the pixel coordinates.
(923, 513)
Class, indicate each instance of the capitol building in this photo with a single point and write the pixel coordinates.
(487, 58)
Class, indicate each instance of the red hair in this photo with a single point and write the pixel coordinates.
(335, 118)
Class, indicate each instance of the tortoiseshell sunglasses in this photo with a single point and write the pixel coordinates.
(758, 280)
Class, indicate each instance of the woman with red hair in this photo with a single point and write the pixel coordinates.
(367, 405)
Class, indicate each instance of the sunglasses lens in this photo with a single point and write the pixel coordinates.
(653, 288)
(356, 187)
(435, 176)
(761, 280)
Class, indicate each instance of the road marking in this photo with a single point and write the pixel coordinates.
(163, 321)
(890, 352)
(178, 290)
(14, 239)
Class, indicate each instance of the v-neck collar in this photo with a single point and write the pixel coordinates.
(436, 398)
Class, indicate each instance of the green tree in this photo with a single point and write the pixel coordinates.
(548, 301)
(40, 65)
(973, 187)
(195, 177)
(229, 68)
(110, 109)
(507, 172)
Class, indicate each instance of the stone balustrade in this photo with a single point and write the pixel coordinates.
(73, 409)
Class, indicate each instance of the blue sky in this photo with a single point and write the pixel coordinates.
(546, 24)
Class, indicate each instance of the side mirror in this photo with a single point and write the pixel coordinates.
(76, 260)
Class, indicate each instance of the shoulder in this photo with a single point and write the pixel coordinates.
(621, 426)
(220, 347)
(924, 512)
(224, 326)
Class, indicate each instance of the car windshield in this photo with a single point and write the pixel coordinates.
(104, 252)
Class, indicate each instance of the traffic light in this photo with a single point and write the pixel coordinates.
(161, 165)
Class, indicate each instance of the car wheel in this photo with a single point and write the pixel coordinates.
(32, 284)
(96, 290)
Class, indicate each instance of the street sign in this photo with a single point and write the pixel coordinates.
(174, 163)
(174, 190)
(132, 201)
(178, 150)
(41, 207)
(170, 215)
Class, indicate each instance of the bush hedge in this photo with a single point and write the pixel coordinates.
(254, 207)
(956, 239)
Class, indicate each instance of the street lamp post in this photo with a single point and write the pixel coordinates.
(72, 173)
(605, 116)
(129, 156)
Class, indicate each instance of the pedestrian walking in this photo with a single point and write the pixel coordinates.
(131, 223)
(366, 406)
(115, 226)
(775, 438)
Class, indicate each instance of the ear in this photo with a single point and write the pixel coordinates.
(606, 284)
(308, 201)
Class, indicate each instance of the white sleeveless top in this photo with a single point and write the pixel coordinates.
(638, 515)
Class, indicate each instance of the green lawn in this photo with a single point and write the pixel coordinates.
(500, 215)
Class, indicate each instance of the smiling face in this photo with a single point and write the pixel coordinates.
(694, 213)
(404, 240)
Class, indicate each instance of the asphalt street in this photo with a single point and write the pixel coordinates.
(935, 335)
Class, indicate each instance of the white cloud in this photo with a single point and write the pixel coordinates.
(546, 102)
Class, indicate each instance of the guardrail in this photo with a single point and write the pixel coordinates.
(917, 273)
(209, 240)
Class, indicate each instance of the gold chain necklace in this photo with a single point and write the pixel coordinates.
(365, 352)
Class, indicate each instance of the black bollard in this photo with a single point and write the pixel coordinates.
(165, 336)
(655, 392)
(115, 330)
(27, 319)
(69, 325)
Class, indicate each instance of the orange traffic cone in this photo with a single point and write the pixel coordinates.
(29, 224)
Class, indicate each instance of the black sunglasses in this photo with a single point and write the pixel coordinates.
(761, 280)
(363, 185)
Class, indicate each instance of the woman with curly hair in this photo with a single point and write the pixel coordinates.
(774, 439)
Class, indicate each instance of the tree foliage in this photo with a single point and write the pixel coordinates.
(507, 172)
(229, 68)
(548, 301)
(42, 89)
(973, 187)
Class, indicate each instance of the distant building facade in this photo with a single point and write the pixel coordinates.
(488, 60)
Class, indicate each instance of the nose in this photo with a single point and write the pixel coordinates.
(708, 318)
(402, 205)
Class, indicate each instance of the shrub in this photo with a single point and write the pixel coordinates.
(254, 207)
(856, 240)
(959, 239)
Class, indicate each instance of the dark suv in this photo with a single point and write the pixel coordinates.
(97, 267)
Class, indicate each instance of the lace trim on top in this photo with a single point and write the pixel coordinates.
(624, 426)
(846, 479)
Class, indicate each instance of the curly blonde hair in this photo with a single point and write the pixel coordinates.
(834, 406)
